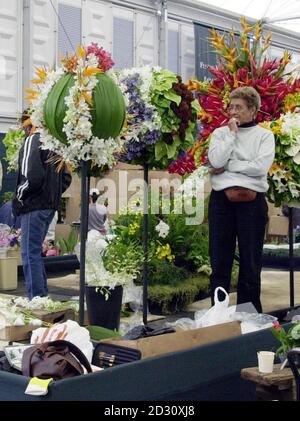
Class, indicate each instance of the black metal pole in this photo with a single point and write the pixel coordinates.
(88, 194)
(145, 246)
(291, 256)
(83, 235)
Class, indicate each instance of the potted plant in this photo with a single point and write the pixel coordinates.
(288, 339)
(109, 268)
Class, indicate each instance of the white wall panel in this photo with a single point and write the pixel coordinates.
(10, 57)
(97, 23)
(146, 39)
(173, 46)
(123, 38)
(187, 52)
(44, 21)
(39, 37)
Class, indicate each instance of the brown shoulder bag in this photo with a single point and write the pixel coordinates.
(240, 194)
(55, 360)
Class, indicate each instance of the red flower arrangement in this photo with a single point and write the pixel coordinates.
(241, 63)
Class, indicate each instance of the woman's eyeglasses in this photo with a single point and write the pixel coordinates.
(236, 107)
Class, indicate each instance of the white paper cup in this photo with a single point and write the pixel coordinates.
(265, 361)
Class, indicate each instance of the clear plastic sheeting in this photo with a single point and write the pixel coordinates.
(222, 313)
(251, 322)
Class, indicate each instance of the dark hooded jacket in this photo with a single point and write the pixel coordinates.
(39, 183)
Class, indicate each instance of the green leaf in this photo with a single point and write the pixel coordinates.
(171, 150)
(108, 113)
(160, 150)
(173, 97)
(55, 107)
(196, 106)
(98, 333)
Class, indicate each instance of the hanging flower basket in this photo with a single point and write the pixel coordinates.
(78, 109)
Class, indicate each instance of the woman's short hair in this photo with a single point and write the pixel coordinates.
(248, 94)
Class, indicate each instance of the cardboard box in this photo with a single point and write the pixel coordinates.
(54, 316)
(171, 342)
(278, 225)
(16, 333)
(22, 333)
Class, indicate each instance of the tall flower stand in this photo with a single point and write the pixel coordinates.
(83, 234)
(291, 257)
(145, 244)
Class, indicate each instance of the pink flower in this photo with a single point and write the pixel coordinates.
(276, 325)
(52, 252)
(105, 61)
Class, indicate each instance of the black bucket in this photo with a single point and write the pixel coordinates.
(101, 312)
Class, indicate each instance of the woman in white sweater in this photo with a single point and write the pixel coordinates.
(240, 155)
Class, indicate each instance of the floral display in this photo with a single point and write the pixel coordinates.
(21, 311)
(9, 238)
(78, 109)
(175, 249)
(44, 303)
(161, 116)
(12, 315)
(284, 175)
(106, 272)
(242, 62)
(288, 339)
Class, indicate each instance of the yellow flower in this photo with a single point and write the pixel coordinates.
(165, 252)
(246, 28)
(81, 51)
(265, 124)
(275, 168)
(87, 98)
(286, 58)
(277, 128)
(133, 228)
(91, 71)
(257, 31)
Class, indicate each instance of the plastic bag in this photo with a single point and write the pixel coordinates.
(251, 322)
(70, 331)
(218, 313)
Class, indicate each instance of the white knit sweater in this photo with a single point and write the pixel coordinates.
(246, 157)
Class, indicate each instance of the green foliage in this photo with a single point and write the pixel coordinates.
(288, 339)
(108, 112)
(173, 299)
(67, 246)
(13, 141)
(55, 107)
(5, 197)
(127, 256)
(163, 272)
(98, 333)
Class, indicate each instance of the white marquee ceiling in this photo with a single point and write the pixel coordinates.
(270, 9)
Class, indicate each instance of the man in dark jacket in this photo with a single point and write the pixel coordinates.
(37, 197)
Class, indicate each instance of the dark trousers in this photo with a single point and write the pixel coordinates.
(34, 227)
(244, 222)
